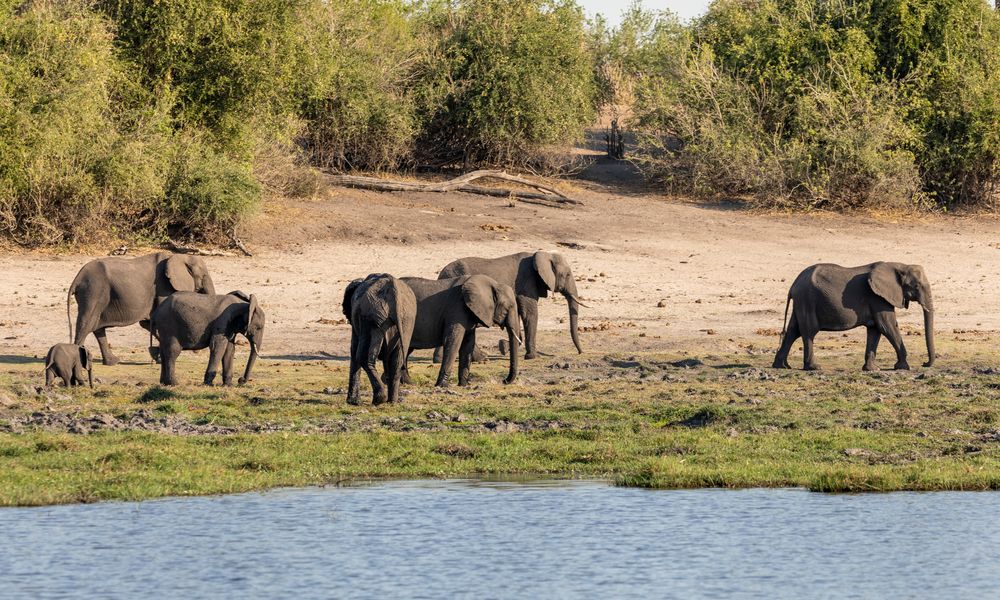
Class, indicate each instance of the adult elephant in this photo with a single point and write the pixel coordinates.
(382, 310)
(833, 298)
(533, 276)
(116, 292)
(448, 313)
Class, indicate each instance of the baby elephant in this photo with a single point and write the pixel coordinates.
(69, 362)
(192, 321)
(829, 297)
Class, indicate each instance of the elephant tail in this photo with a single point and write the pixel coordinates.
(784, 320)
(69, 296)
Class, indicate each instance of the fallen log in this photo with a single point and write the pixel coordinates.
(459, 184)
(181, 249)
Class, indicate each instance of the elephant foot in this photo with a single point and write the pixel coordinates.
(929, 363)
(243, 380)
(530, 355)
(111, 360)
(781, 364)
(901, 365)
(868, 367)
(509, 380)
(405, 379)
(812, 367)
(354, 401)
(379, 399)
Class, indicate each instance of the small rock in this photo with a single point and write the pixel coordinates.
(661, 304)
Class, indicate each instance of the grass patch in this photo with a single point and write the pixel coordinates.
(715, 425)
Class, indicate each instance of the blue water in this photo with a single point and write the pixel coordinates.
(479, 539)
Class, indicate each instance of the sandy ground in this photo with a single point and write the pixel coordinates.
(721, 272)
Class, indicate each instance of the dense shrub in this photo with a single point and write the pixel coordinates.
(508, 79)
(808, 103)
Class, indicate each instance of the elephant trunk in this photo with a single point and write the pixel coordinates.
(250, 362)
(574, 310)
(207, 285)
(513, 325)
(90, 374)
(929, 335)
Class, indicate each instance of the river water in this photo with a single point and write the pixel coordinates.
(487, 539)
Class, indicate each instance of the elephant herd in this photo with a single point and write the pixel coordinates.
(173, 297)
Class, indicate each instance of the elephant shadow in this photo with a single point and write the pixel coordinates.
(304, 357)
(17, 359)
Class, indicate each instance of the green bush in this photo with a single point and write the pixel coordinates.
(824, 104)
(508, 78)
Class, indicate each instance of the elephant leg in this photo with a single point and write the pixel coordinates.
(227, 363)
(871, 347)
(437, 355)
(369, 351)
(169, 351)
(404, 376)
(528, 311)
(353, 385)
(465, 356)
(887, 324)
(102, 340)
(49, 376)
(394, 367)
(792, 333)
(216, 348)
(808, 354)
(453, 338)
(154, 351)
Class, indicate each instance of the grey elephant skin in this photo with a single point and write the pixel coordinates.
(117, 292)
(71, 363)
(532, 275)
(192, 321)
(382, 311)
(450, 310)
(827, 297)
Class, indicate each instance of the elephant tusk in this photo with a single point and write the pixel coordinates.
(577, 300)
(517, 339)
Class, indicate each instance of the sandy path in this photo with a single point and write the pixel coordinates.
(714, 267)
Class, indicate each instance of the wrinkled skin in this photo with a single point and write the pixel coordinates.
(829, 297)
(117, 292)
(71, 363)
(450, 310)
(532, 276)
(382, 311)
(192, 321)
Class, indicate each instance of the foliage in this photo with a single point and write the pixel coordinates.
(825, 104)
(507, 79)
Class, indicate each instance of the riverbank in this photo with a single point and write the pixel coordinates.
(674, 419)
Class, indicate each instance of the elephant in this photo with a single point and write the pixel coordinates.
(830, 297)
(69, 362)
(116, 292)
(382, 311)
(193, 321)
(448, 313)
(533, 276)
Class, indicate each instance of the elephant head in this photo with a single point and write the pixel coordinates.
(250, 323)
(87, 363)
(494, 303)
(189, 274)
(898, 284)
(557, 276)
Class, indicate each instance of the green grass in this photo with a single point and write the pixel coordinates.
(631, 418)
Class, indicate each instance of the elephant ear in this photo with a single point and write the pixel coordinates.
(84, 357)
(543, 265)
(179, 275)
(349, 296)
(477, 293)
(250, 312)
(884, 281)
